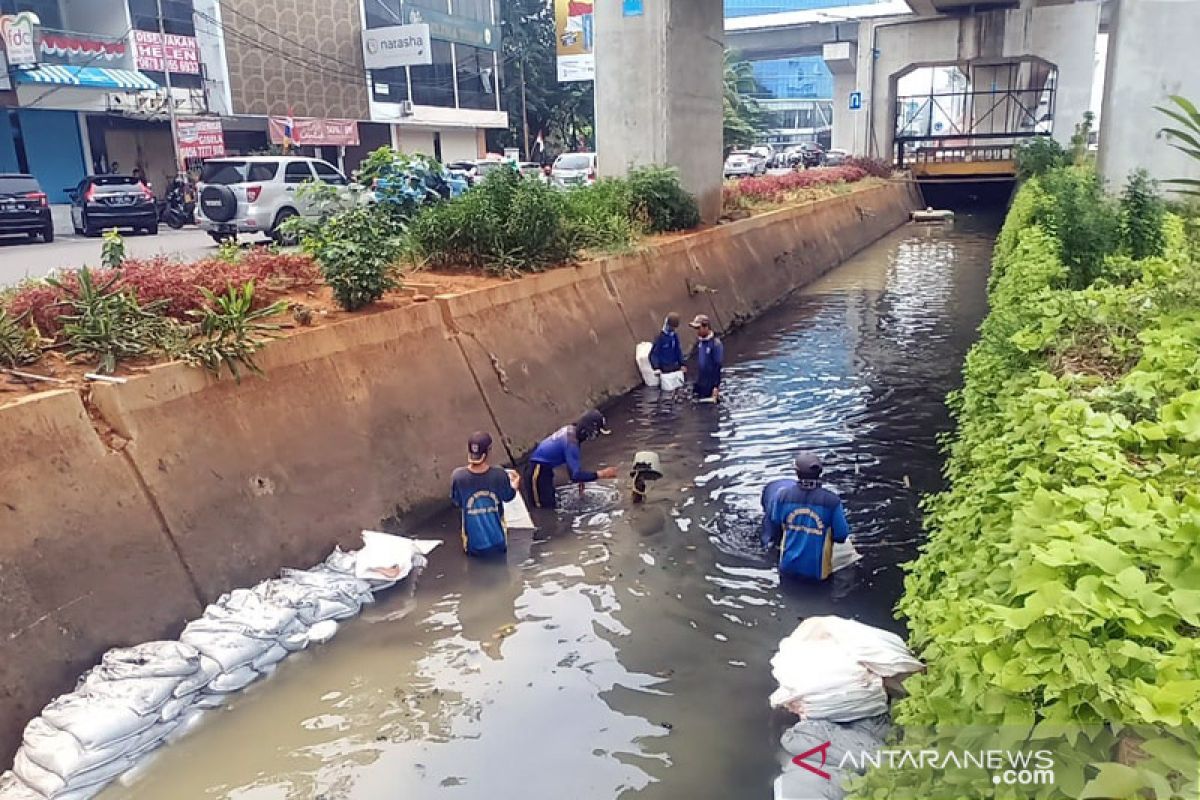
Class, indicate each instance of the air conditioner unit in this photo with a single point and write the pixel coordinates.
(406, 108)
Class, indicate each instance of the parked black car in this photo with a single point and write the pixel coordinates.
(112, 201)
(812, 154)
(24, 207)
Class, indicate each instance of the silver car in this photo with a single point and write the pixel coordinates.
(574, 169)
(256, 194)
(744, 163)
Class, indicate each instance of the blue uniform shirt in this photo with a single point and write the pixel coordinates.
(710, 354)
(667, 354)
(562, 447)
(805, 521)
(481, 498)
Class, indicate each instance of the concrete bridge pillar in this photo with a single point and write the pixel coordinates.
(1151, 56)
(842, 60)
(659, 91)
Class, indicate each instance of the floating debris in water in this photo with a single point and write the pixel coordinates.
(594, 497)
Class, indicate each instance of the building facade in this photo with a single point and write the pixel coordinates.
(90, 94)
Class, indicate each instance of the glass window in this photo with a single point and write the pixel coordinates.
(47, 11)
(383, 13)
(327, 173)
(18, 184)
(297, 172)
(476, 79)
(389, 85)
(177, 16)
(226, 173)
(433, 5)
(433, 84)
(474, 9)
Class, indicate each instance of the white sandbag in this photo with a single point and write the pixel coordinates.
(844, 555)
(276, 654)
(340, 561)
(348, 591)
(641, 354)
(188, 722)
(516, 515)
(13, 788)
(281, 592)
(387, 557)
(59, 752)
(818, 680)
(294, 642)
(53, 786)
(96, 721)
(257, 616)
(231, 649)
(322, 632)
(143, 695)
(233, 681)
(206, 670)
(175, 707)
(882, 652)
(671, 381)
(208, 700)
(150, 660)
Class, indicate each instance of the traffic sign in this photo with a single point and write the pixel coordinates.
(855, 101)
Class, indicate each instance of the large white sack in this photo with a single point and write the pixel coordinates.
(234, 681)
(94, 720)
(516, 515)
(59, 752)
(818, 680)
(882, 652)
(389, 558)
(276, 654)
(671, 381)
(641, 354)
(228, 647)
(340, 561)
(346, 590)
(844, 555)
(322, 632)
(13, 788)
(143, 695)
(53, 786)
(150, 660)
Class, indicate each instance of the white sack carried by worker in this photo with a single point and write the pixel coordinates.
(844, 555)
(641, 354)
(882, 652)
(516, 515)
(818, 680)
(670, 381)
(385, 557)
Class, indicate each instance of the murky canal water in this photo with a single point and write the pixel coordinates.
(622, 651)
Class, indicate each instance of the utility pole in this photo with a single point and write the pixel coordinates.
(162, 35)
(524, 111)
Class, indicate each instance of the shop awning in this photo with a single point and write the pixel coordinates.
(85, 77)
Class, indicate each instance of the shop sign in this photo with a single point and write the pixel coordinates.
(574, 37)
(451, 28)
(313, 131)
(397, 46)
(158, 52)
(19, 32)
(201, 138)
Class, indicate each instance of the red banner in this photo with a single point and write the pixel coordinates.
(201, 138)
(314, 131)
(166, 52)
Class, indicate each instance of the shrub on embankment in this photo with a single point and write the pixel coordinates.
(790, 187)
(1057, 599)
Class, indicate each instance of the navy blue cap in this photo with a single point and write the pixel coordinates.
(478, 446)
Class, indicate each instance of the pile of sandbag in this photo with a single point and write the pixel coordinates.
(834, 668)
(833, 748)
(139, 697)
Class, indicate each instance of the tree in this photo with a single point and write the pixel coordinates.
(563, 112)
(745, 120)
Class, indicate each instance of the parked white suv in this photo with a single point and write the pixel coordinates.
(255, 194)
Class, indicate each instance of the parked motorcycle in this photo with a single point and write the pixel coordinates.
(179, 206)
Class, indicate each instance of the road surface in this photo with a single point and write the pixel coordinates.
(20, 258)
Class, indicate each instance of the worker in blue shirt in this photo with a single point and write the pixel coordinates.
(480, 491)
(562, 448)
(710, 355)
(803, 520)
(667, 355)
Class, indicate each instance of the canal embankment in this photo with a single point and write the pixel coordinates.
(127, 507)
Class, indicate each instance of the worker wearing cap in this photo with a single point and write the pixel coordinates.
(562, 448)
(480, 491)
(710, 356)
(804, 520)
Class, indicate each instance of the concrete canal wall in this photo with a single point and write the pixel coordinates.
(125, 510)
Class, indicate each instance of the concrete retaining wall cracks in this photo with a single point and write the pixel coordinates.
(210, 484)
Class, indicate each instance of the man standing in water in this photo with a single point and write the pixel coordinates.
(667, 355)
(804, 520)
(562, 448)
(710, 355)
(481, 491)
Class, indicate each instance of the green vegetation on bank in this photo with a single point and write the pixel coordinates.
(1057, 600)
